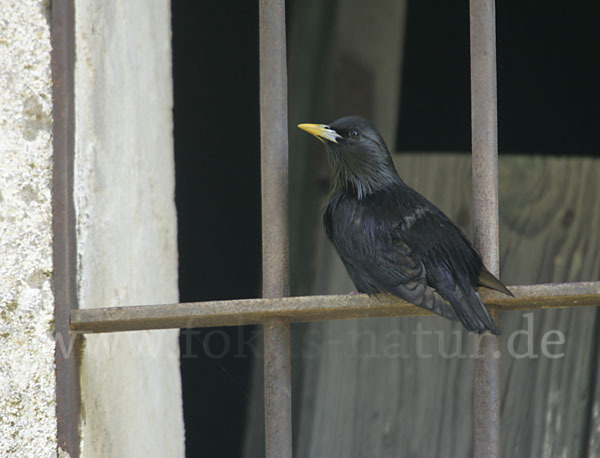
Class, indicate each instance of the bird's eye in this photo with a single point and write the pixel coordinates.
(354, 133)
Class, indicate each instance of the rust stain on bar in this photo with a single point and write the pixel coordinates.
(313, 308)
(484, 132)
(274, 184)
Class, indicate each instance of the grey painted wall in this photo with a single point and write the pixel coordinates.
(126, 224)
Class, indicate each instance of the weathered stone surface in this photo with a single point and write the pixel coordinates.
(27, 383)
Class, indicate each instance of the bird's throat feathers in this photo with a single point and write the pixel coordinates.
(360, 177)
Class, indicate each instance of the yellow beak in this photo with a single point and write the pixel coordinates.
(321, 131)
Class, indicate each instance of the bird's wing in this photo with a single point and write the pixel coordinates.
(452, 267)
(390, 266)
(466, 302)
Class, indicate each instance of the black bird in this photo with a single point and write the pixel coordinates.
(391, 238)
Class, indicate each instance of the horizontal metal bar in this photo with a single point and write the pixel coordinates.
(313, 308)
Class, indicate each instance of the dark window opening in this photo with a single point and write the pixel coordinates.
(216, 129)
(547, 78)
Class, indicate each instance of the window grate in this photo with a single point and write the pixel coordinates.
(301, 309)
(68, 398)
(276, 311)
(484, 144)
(274, 202)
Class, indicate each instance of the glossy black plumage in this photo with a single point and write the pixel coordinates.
(392, 239)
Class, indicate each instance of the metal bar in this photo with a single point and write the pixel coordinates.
(274, 179)
(313, 308)
(278, 389)
(484, 137)
(68, 401)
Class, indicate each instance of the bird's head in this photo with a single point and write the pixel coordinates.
(359, 159)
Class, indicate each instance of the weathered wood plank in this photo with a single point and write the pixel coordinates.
(368, 387)
(544, 400)
(550, 221)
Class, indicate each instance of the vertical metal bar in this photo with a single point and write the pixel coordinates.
(274, 176)
(278, 396)
(63, 226)
(484, 136)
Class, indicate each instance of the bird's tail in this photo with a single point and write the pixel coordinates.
(477, 315)
(471, 311)
(487, 279)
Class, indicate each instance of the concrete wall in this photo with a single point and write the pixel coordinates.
(126, 227)
(27, 408)
(126, 224)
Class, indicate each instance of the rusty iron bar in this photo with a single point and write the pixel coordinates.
(275, 266)
(313, 308)
(68, 402)
(484, 138)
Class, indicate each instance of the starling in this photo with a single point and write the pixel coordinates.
(390, 238)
